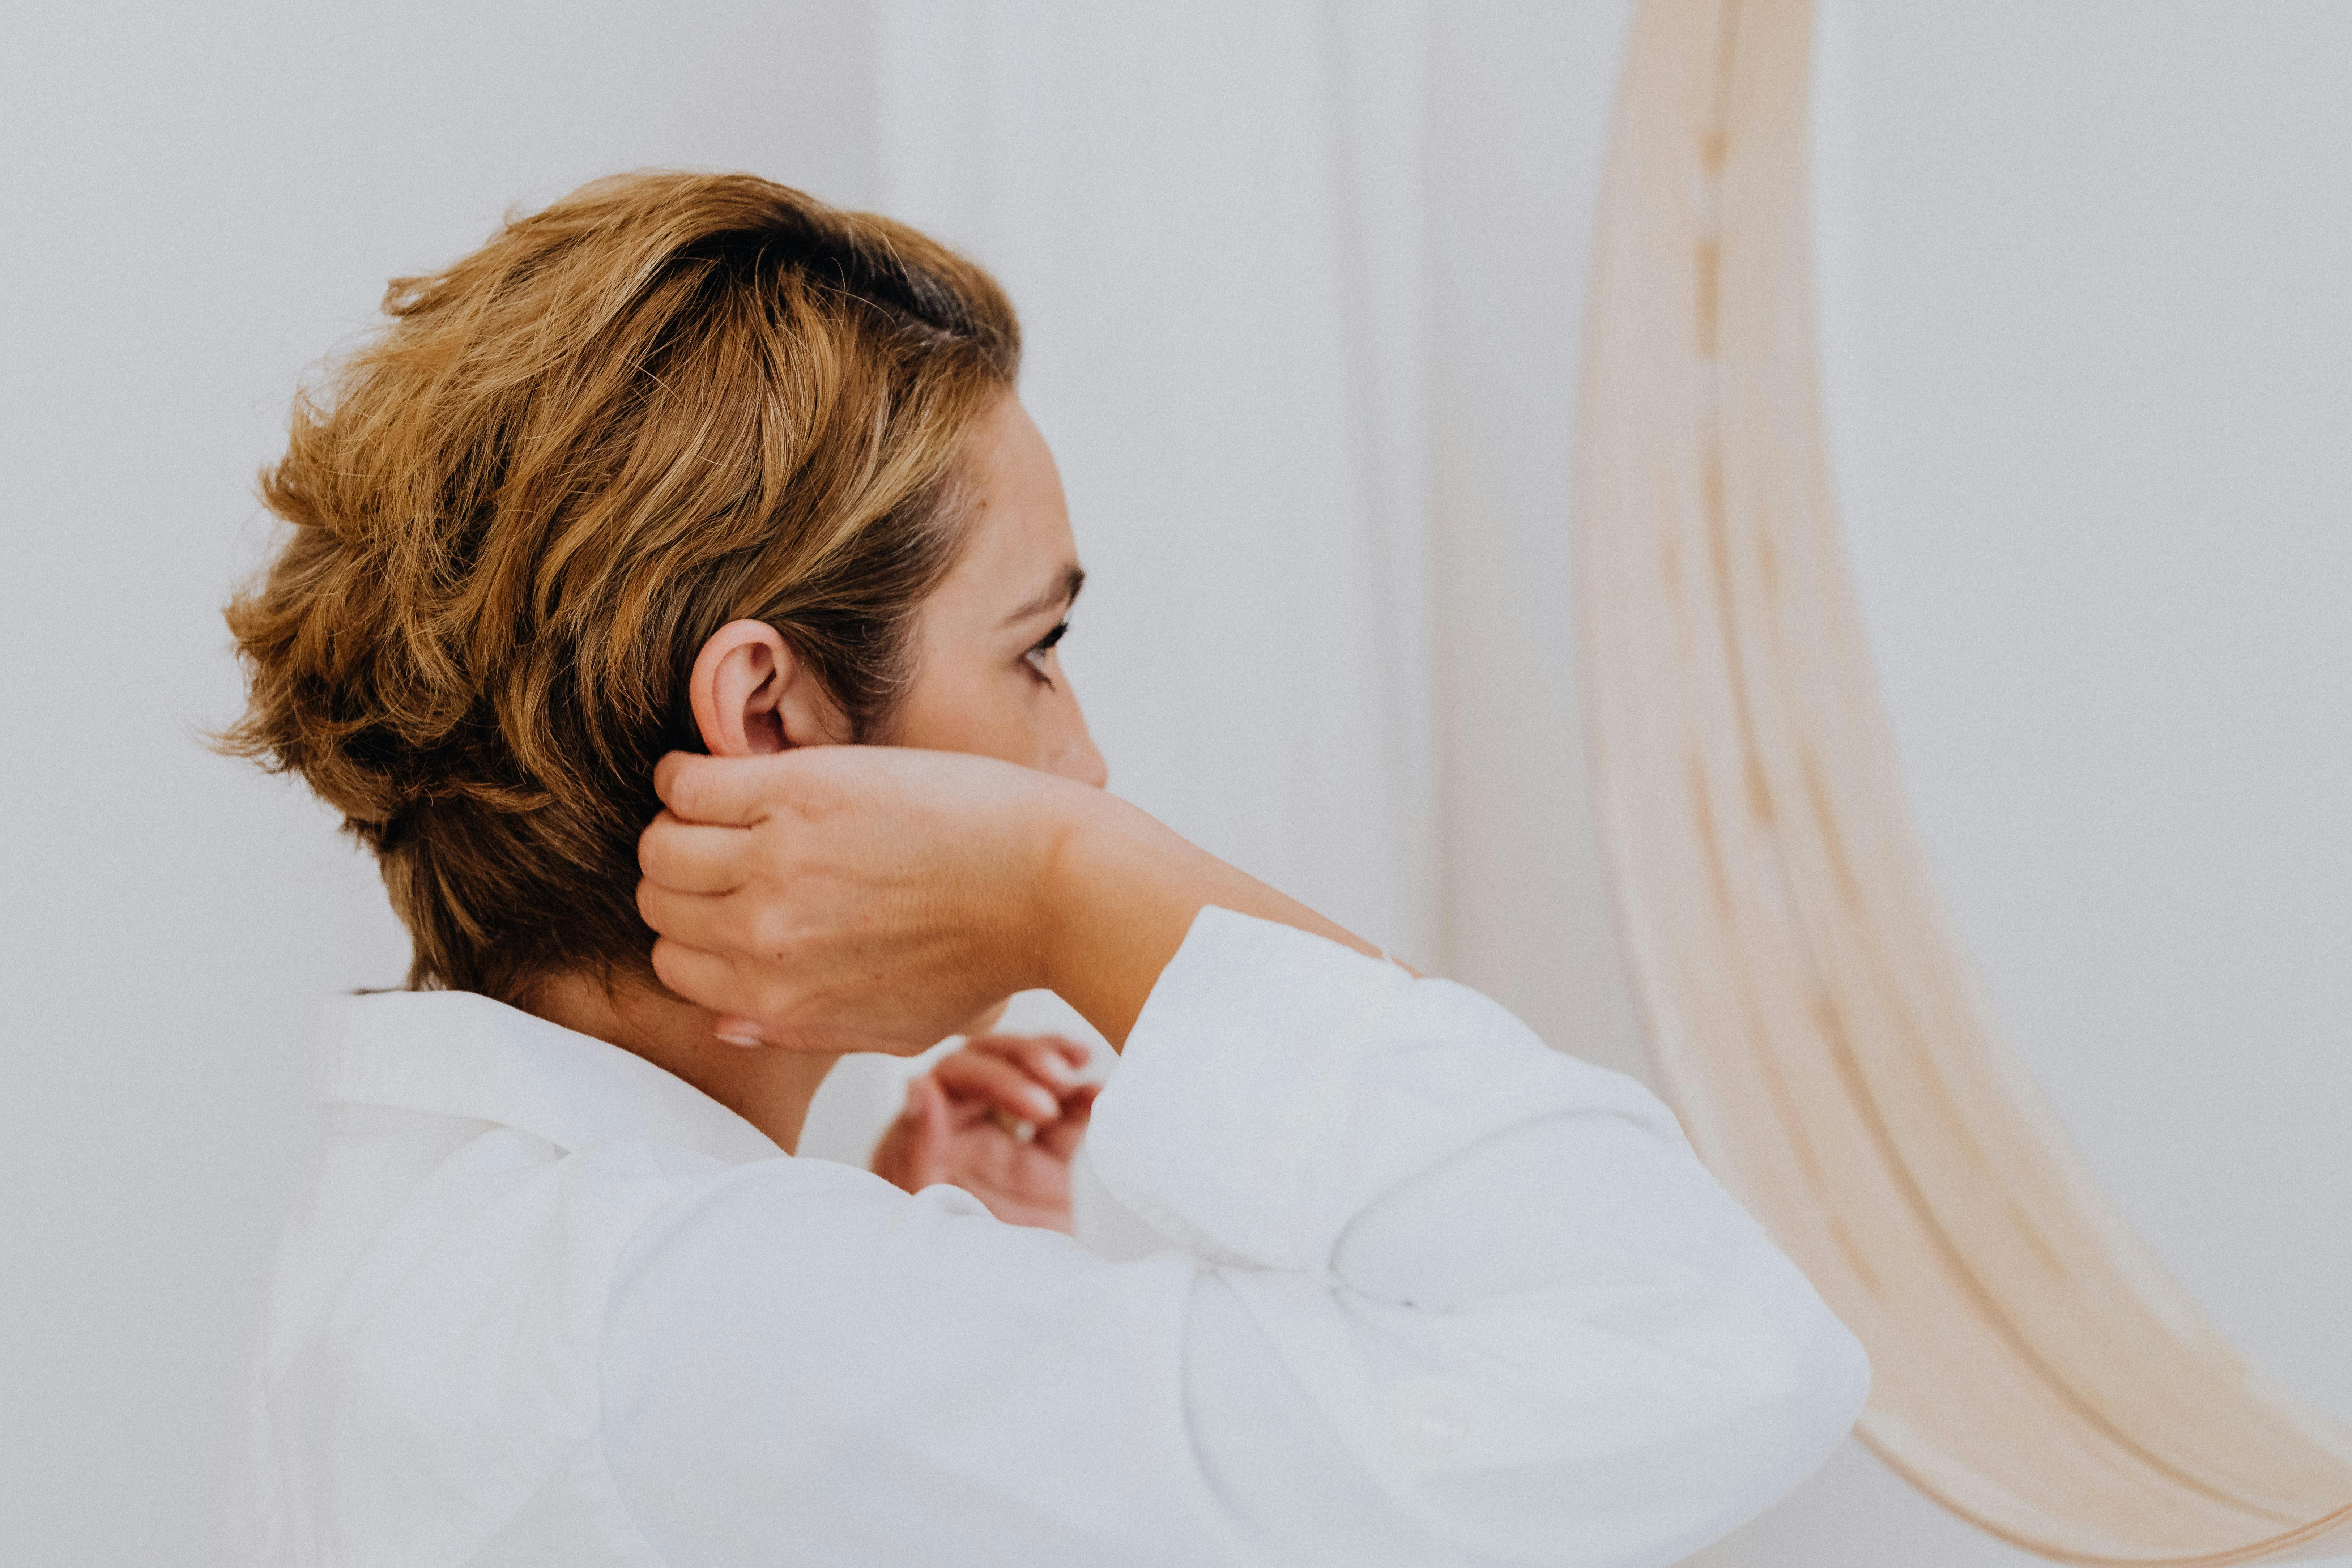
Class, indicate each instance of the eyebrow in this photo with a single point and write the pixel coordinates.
(1062, 591)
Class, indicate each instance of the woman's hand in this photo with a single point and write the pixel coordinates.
(999, 1118)
(874, 897)
(866, 895)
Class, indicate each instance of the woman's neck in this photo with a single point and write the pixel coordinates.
(769, 1089)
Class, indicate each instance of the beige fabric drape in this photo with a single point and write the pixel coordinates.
(1806, 1004)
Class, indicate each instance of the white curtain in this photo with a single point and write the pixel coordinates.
(1208, 216)
(1325, 636)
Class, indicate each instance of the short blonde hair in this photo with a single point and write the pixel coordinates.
(666, 402)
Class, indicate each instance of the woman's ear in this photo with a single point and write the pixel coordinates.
(750, 695)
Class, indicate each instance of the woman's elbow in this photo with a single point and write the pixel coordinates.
(1757, 1434)
(1686, 1436)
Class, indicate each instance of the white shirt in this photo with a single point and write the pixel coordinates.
(1363, 1274)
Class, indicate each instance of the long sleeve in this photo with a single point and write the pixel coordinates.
(1363, 1274)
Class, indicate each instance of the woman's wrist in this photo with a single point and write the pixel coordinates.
(1119, 890)
(1115, 911)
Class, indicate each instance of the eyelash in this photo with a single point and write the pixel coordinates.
(1044, 645)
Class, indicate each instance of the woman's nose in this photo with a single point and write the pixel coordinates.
(1082, 760)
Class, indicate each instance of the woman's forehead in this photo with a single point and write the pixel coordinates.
(1020, 558)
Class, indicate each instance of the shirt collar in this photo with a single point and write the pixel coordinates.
(454, 1053)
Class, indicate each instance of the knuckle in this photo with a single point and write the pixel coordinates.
(685, 795)
(657, 910)
(654, 843)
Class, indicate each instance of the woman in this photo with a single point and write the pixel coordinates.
(1360, 1272)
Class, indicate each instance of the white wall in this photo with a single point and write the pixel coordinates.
(1208, 216)
(201, 199)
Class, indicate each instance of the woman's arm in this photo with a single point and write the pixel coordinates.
(1536, 1330)
(1368, 1274)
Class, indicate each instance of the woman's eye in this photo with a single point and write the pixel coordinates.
(1044, 646)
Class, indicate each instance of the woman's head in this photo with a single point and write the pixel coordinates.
(680, 460)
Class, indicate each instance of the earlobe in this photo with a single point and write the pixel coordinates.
(738, 689)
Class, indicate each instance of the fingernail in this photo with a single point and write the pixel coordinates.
(739, 1032)
(1042, 1105)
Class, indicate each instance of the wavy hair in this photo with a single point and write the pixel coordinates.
(663, 403)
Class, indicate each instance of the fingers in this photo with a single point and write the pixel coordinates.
(1061, 1137)
(735, 790)
(694, 857)
(998, 1081)
(707, 979)
(1051, 1058)
(705, 920)
(1075, 1052)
